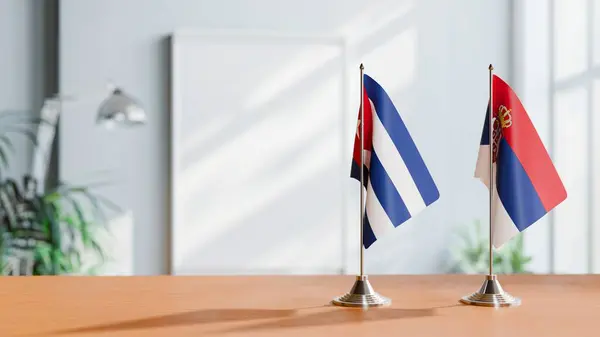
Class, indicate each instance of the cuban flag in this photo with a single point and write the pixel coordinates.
(527, 185)
(397, 181)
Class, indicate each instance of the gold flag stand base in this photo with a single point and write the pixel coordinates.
(491, 294)
(361, 295)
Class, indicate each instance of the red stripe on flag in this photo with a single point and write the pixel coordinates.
(368, 130)
(520, 134)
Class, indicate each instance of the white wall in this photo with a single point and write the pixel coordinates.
(432, 55)
(22, 67)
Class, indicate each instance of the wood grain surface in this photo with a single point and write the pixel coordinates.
(292, 306)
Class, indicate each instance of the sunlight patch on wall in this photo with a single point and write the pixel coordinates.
(394, 63)
(309, 62)
(373, 18)
(257, 155)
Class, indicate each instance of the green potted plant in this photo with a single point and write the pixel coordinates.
(472, 255)
(46, 232)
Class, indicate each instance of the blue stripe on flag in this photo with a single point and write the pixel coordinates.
(368, 235)
(485, 135)
(397, 131)
(387, 193)
(355, 173)
(515, 189)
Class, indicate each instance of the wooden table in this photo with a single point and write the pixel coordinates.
(292, 306)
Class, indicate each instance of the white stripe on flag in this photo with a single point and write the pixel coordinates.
(378, 218)
(482, 167)
(504, 228)
(394, 166)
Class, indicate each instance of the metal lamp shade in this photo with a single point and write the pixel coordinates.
(119, 109)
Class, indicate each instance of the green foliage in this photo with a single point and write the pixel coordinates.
(63, 231)
(62, 214)
(63, 222)
(473, 254)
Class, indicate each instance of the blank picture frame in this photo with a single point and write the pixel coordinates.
(260, 145)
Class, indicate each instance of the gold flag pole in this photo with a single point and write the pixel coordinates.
(491, 293)
(362, 293)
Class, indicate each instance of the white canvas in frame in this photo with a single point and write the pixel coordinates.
(258, 154)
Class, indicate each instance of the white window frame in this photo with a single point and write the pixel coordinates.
(533, 74)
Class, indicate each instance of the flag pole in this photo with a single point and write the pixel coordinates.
(491, 293)
(491, 188)
(362, 167)
(362, 293)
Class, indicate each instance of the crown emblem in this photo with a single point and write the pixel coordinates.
(504, 117)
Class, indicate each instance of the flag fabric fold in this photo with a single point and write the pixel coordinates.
(398, 184)
(526, 183)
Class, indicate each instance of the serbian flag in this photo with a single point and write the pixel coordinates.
(397, 181)
(527, 185)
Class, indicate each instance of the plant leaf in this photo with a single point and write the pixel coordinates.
(98, 249)
(3, 158)
(27, 133)
(43, 253)
(5, 143)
